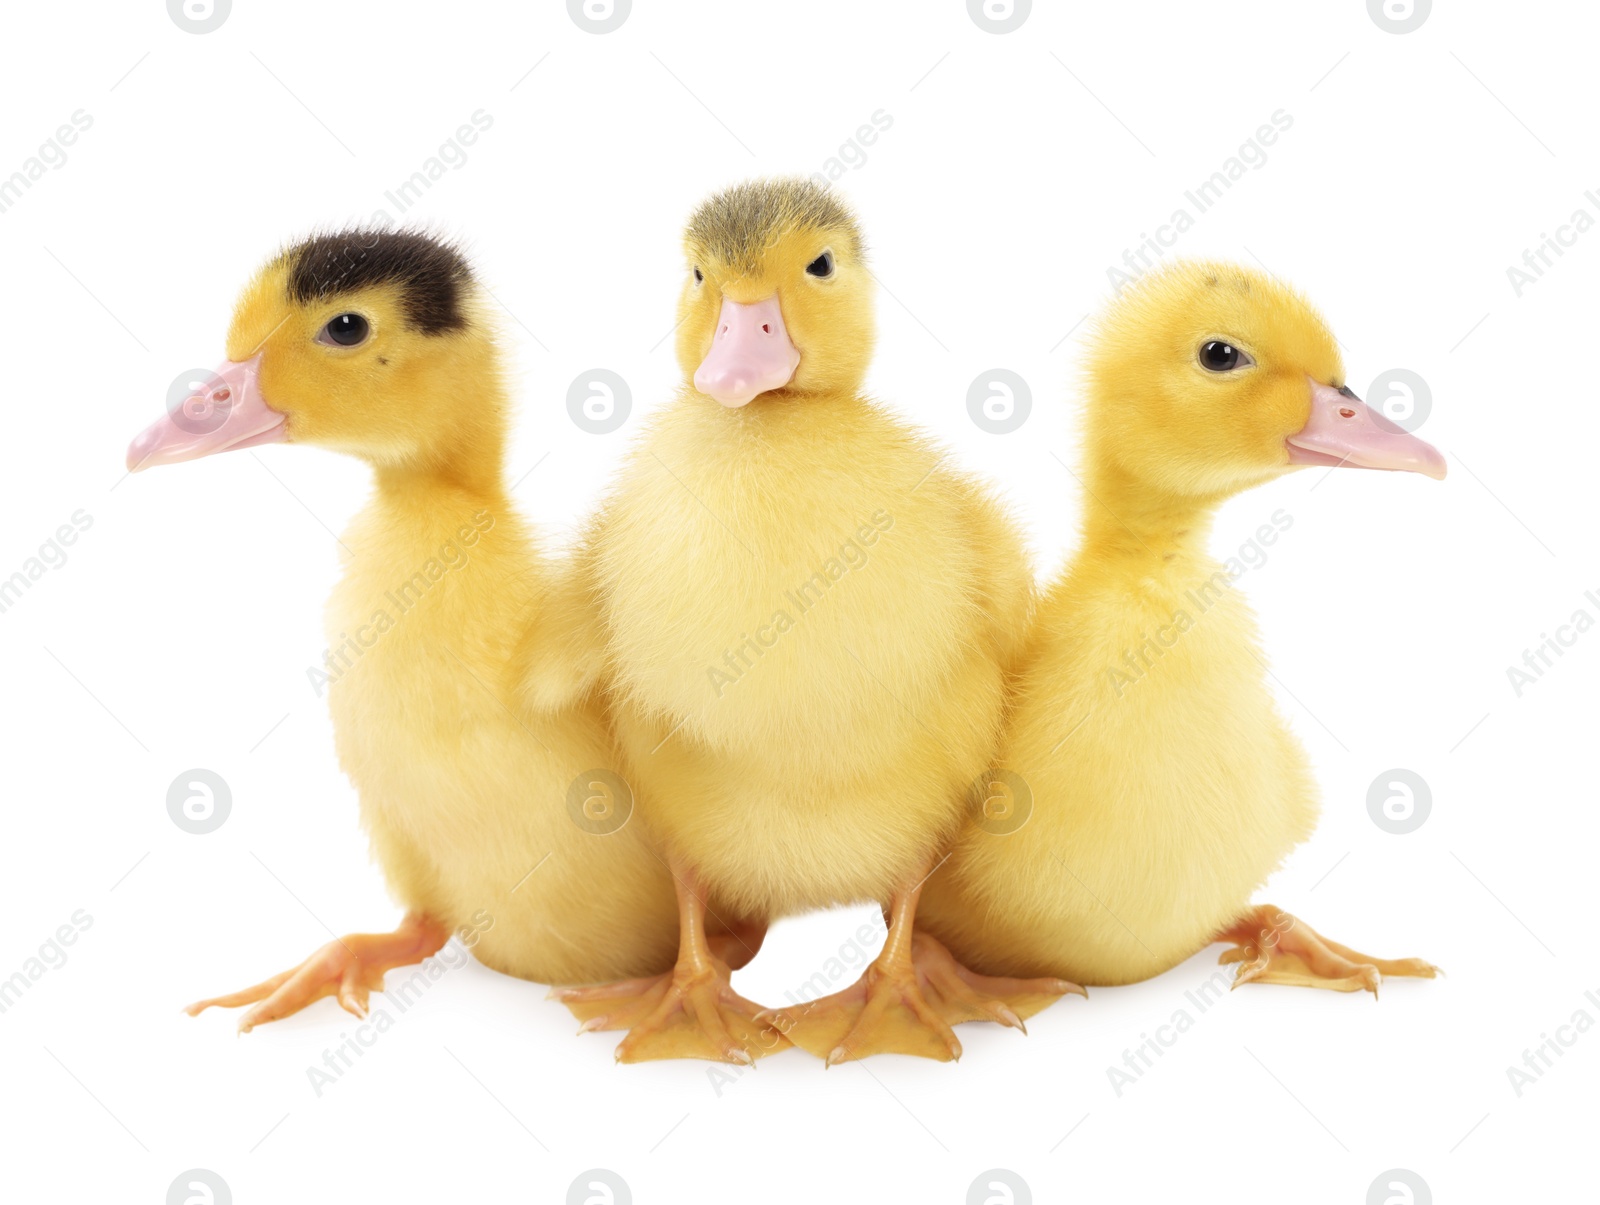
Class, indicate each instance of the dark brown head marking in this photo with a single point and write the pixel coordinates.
(432, 275)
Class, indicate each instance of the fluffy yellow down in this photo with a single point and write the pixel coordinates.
(464, 791)
(805, 613)
(1164, 784)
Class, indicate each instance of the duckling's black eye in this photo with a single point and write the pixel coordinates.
(821, 266)
(347, 330)
(1217, 356)
(698, 276)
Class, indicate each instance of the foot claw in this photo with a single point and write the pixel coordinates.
(678, 1015)
(1250, 971)
(346, 968)
(909, 1006)
(1274, 947)
(1008, 1018)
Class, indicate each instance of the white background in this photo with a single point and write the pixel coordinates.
(1018, 167)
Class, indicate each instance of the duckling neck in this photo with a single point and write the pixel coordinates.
(448, 483)
(472, 470)
(1127, 520)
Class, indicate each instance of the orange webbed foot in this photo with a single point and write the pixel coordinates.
(689, 1013)
(350, 968)
(908, 1006)
(1276, 947)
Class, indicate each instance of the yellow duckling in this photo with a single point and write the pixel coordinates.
(480, 812)
(808, 617)
(1164, 786)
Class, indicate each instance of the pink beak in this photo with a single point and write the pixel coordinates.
(227, 412)
(750, 353)
(1344, 430)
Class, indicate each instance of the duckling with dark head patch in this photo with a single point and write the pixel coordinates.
(378, 343)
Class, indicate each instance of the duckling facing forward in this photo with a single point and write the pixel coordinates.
(808, 618)
(378, 343)
(1165, 786)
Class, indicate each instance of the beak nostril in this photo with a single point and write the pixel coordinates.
(766, 328)
(221, 395)
(1346, 412)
